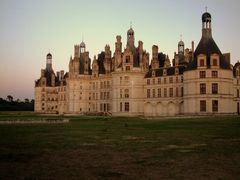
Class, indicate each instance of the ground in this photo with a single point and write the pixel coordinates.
(118, 147)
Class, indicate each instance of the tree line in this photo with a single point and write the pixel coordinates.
(9, 104)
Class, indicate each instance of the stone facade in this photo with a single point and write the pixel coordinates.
(196, 82)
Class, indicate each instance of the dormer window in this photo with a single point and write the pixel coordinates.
(215, 60)
(153, 73)
(201, 60)
(176, 71)
(127, 59)
(165, 72)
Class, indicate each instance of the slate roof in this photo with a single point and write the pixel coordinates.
(170, 71)
(207, 46)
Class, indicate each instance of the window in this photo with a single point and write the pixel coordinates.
(126, 92)
(170, 80)
(202, 88)
(159, 80)
(121, 93)
(201, 62)
(148, 93)
(181, 91)
(214, 106)
(214, 74)
(165, 92)
(126, 106)
(202, 74)
(171, 92)
(127, 68)
(153, 91)
(165, 80)
(159, 92)
(203, 106)
(214, 61)
(177, 79)
(181, 78)
(148, 81)
(127, 59)
(214, 88)
(120, 107)
(237, 92)
(153, 73)
(153, 81)
(176, 92)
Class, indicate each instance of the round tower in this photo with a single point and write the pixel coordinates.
(49, 61)
(130, 38)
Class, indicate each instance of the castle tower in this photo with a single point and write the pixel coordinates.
(181, 47)
(49, 62)
(130, 38)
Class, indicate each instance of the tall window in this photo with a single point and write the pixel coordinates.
(214, 88)
(126, 106)
(203, 106)
(181, 78)
(153, 81)
(120, 107)
(201, 62)
(202, 88)
(165, 92)
(126, 92)
(127, 68)
(159, 92)
(202, 74)
(214, 74)
(214, 61)
(127, 59)
(153, 91)
(148, 93)
(148, 81)
(238, 93)
(165, 80)
(181, 91)
(171, 92)
(159, 80)
(176, 92)
(170, 80)
(214, 106)
(177, 79)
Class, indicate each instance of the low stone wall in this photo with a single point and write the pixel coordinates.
(42, 121)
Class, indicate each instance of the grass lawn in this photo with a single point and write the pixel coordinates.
(120, 148)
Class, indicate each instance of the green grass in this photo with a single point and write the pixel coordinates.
(120, 148)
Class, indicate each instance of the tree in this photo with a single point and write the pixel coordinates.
(26, 100)
(9, 98)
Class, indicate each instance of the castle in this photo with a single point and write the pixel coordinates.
(125, 83)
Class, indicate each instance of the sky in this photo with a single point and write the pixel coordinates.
(29, 29)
